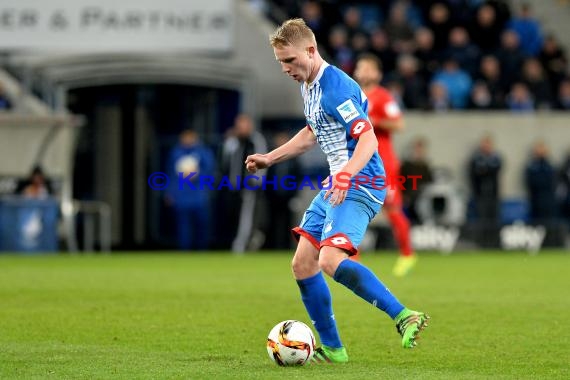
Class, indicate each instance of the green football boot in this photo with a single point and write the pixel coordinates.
(409, 323)
(404, 265)
(326, 354)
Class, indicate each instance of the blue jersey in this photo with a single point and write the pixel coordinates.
(335, 107)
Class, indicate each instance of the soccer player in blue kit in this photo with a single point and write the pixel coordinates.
(334, 224)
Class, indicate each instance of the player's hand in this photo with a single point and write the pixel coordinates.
(336, 189)
(256, 161)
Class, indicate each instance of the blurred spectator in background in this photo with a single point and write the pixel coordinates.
(490, 75)
(510, 56)
(565, 188)
(502, 9)
(519, 99)
(359, 44)
(412, 12)
(416, 164)
(4, 102)
(312, 13)
(425, 53)
(528, 30)
(191, 204)
(279, 213)
(456, 81)
(413, 85)
(356, 39)
(440, 24)
(540, 178)
(534, 77)
(553, 59)
(353, 21)
(371, 13)
(463, 51)
(241, 206)
(36, 186)
(380, 46)
(34, 225)
(481, 98)
(563, 98)
(462, 11)
(399, 31)
(486, 28)
(340, 49)
(484, 169)
(438, 97)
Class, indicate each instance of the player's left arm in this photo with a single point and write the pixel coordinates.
(363, 152)
(365, 148)
(350, 114)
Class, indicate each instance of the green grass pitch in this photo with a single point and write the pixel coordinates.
(499, 315)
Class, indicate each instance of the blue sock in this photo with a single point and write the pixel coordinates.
(367, 286)
(316, 296)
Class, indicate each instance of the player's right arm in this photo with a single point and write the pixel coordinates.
(299, 144)
(390, 125)
(385, 114)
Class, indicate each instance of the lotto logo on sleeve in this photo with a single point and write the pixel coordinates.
(347, 111)
(358, 127)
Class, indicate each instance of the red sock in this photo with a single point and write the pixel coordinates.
(401, 229)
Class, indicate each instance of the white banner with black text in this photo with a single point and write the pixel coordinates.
(117, 26)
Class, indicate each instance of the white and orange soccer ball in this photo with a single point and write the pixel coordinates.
(291, 343)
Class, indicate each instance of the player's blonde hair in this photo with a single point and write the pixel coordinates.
(292, 32)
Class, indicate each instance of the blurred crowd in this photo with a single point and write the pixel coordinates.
(547, 184)
(440, 55)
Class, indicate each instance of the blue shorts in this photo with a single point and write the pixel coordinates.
(341, 226)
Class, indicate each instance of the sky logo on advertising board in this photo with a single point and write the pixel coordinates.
(429, 236)
(521, 236)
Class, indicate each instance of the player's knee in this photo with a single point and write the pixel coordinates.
(303, 268)
(326, 265)
(330, 258)
(296, 266)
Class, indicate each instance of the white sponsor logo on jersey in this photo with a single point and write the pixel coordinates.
(347, 111)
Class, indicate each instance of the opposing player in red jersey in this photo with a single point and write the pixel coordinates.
(386, 117)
